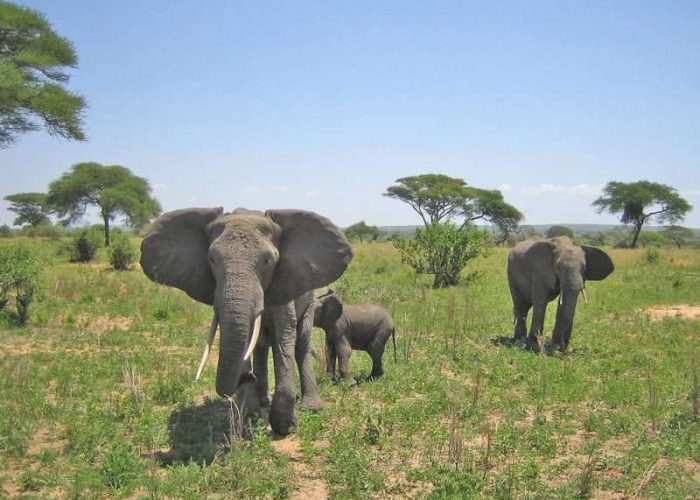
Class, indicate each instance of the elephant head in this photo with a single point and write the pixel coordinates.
(240, 262)
(573, 266)
(327, 309)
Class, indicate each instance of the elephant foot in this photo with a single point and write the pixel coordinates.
(282, 417)
(312, 403)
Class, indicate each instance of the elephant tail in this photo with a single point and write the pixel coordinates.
(393, 340)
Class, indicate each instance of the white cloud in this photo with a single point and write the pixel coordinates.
(278, 189)
(311, 194)
(505, 188)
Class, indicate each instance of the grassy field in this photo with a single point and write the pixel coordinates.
(97, 395)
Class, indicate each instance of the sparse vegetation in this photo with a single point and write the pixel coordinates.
(20, 267)
(97, 397)
(122, 252)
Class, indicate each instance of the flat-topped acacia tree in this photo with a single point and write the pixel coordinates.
(639, 202)
(112, 188)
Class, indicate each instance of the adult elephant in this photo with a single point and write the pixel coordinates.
(244, 263)
(541, 270)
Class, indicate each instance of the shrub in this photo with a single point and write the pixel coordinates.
(5, 231)
(44, 231)
(19, 271)
(651, 255)
(122, 252)
(560, 231)
(443, 250)
(84, 245)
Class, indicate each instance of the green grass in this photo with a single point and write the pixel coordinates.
(97, 395)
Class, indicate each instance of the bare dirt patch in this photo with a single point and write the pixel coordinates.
(101, 324)
(683, 311)
(308, 483)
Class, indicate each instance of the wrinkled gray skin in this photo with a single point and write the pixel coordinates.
(364, 327)
(540, 271)
(243, 263)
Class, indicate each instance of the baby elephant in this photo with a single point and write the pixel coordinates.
(365, 327)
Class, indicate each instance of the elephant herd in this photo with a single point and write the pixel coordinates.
(259, 271)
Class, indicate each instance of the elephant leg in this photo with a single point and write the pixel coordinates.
(282, 417)
(260, 371)
(344, 351)
(520, 310)
(537, 326)
(376, 352)
(310, 399)
(330, 358)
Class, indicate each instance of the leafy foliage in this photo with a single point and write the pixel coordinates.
(20, 267)
(33, 60)
(5, 231)
(443, 250)
(112, 188)
(361, 231)
(642, 201)
(436, 197)
(678, 235)
(122, 252)
(31, 208)
(559, 231)
(84, 245)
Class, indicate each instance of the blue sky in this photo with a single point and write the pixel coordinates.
(322, 105)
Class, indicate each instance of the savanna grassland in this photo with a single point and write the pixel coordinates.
(97, 396)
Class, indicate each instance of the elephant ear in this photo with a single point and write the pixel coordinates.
(313, 253)
(332, 308)
(599, 265)
(174, 252)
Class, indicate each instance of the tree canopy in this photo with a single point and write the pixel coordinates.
(31, 208)
(33, 60)
(112, 188)
(436, 197)
(362, 231)
(639, 202)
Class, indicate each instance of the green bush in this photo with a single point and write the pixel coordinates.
(5, 231)
(651, 255)
(20, 266)
(443, 250)
(44, 231)
(84, 244)
(122, 252)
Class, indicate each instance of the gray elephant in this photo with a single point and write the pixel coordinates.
(541, 270)
(365, 327)
(244, 263)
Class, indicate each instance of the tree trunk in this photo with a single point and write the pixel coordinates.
(106, 219)
(637, 230)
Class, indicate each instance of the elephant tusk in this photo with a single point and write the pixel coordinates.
(254, 338)
(207, 347)
(561, 299)
(585, 299)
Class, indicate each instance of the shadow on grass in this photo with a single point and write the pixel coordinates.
(507, 341)
(199, 433)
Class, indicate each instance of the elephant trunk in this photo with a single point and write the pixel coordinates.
(238, 314)
(565, 312)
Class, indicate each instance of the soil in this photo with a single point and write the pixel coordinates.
(309, 485)
(683, 311)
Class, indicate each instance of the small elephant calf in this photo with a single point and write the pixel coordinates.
(365, 327)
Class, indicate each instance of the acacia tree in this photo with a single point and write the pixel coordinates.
(436, 197)
(33, 59)
(114, 189)
(640, 202)
(678, 235)
(362, 231)
(31, 208)
(442, 248)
